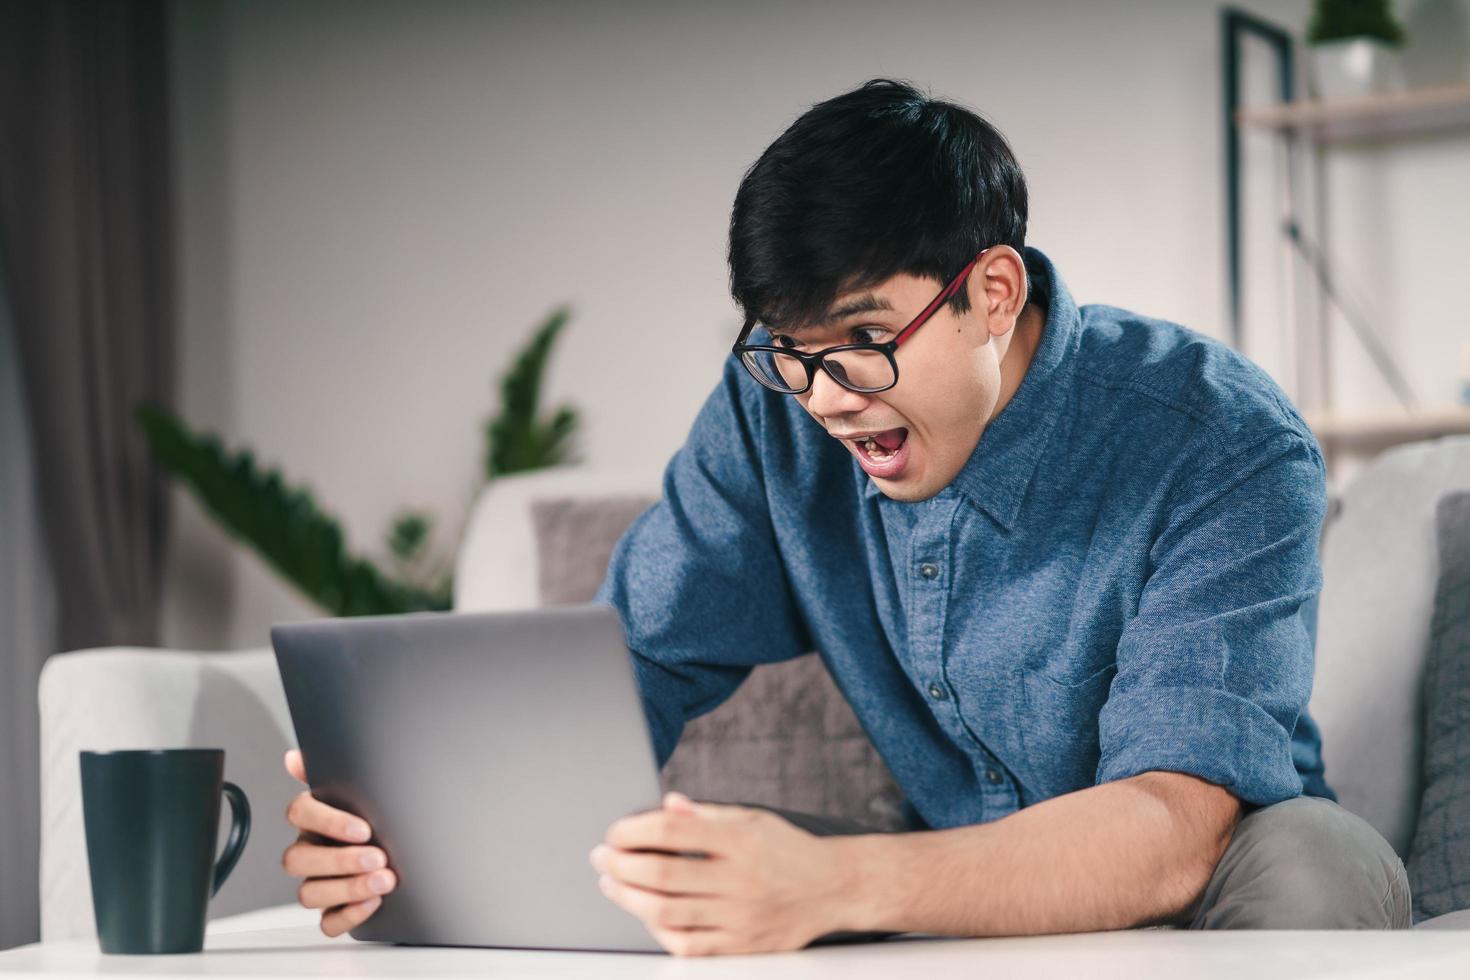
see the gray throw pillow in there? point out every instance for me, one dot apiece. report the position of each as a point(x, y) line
point(1439, 858)
point(786, 738)
point(575, 537)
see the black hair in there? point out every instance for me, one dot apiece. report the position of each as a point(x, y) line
point(878, 181)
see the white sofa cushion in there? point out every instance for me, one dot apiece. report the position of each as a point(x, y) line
point(497, 565)
point(1379, 569)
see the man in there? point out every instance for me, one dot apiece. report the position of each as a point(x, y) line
point(1062, 562)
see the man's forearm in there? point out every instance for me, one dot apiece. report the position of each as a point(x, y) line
point(1123, 854)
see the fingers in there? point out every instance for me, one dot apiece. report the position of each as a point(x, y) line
point(663, 830)
point(326, 893)
point(695, 942)
point(307, 859)
point(667, 873)
point(662, 911)
point(677, 802)
point(339, 920)
point(347, 882)
point(308, 813)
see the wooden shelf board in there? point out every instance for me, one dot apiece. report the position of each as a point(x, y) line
point(1390, 426)
point(1422, 110)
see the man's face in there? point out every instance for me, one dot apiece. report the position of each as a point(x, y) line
point(914, 438)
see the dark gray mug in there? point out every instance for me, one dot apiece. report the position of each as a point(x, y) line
point(152, 819)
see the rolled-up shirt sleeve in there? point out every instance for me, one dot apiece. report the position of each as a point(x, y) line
point(1216, 667)
point(697, 579)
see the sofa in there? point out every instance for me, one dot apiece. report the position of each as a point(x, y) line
point(786, 738)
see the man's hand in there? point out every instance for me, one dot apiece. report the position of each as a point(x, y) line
point(763, 885)
point(347, 883)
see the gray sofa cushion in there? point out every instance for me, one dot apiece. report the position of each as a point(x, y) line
point(787, 737)
point(575, 537)
point(1439, 858)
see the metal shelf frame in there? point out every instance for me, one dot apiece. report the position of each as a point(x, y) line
point(1379, 116)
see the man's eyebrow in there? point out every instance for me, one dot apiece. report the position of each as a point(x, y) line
point(866, 303)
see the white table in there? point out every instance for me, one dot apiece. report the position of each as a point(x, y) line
point(283, 943)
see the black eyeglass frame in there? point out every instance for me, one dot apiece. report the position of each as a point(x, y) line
point(811, 361)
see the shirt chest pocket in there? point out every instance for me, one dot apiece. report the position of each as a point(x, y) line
point(1059, 731)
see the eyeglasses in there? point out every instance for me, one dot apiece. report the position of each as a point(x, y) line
point(865, 368)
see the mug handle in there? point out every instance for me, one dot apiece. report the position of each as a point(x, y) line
point(239, 833)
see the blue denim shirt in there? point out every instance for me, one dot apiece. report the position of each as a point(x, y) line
point(1122, 577)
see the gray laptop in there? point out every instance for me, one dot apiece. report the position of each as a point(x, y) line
point(489, 752)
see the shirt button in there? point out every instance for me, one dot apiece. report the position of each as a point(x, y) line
point(937, 692)
point(929, 570)
point(993, 777)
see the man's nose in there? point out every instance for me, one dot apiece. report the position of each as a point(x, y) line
point(828, 398)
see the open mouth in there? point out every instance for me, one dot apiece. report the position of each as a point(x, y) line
point(883, 454)
point(882, 447)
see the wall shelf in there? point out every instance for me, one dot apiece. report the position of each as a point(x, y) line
point(1442, 108)
point(1378, 430)
point(1305, 128)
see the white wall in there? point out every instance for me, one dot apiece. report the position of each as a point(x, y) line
point(379, 200)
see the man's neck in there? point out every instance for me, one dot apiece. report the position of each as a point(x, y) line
point(1025, 339)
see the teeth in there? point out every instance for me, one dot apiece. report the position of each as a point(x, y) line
point(876, 451)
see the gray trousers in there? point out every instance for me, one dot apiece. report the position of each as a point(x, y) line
point(1305, 863)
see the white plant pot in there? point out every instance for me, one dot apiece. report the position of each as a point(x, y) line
point(1354, 67)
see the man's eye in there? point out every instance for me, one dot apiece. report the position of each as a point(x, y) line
point(868, 335)
point(783, 341)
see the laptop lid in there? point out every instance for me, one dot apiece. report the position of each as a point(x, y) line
point(489, 752)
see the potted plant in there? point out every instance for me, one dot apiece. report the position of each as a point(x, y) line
point(1354, 48)
point(305, 543)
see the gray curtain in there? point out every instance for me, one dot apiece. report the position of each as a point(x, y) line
point(86, 262)
point(27, 635)
point(86, 245)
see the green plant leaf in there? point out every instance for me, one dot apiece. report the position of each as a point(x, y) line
point(281, 523)
point(517, 439)
point(408, 535)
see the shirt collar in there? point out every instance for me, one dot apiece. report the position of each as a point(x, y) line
point(1004, 461)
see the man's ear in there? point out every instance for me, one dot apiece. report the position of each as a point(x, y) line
point(997, 288)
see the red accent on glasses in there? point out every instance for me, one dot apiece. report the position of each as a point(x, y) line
point(944, 296)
